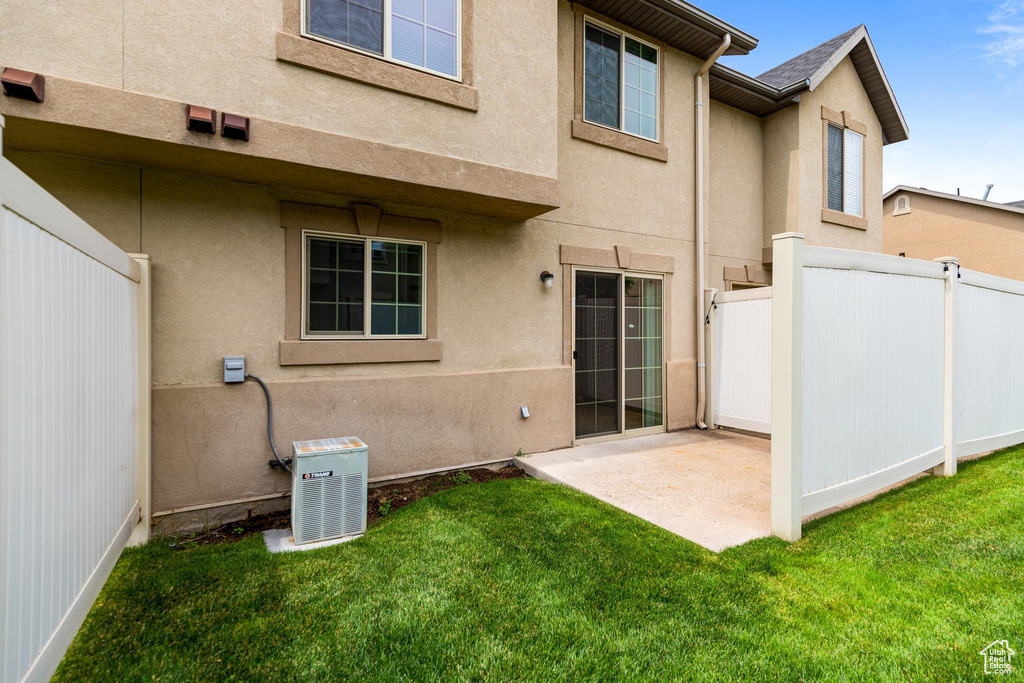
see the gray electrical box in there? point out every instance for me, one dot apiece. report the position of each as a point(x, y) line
point(328, 489)
point(234, 369)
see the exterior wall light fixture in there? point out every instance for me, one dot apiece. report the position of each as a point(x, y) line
point(548, 279)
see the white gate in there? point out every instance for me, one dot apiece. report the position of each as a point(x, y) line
point(74, 387)
point(739, 334)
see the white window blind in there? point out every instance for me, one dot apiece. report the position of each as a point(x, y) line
point(853, 173)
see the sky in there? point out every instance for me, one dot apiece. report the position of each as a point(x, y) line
point(956, 68)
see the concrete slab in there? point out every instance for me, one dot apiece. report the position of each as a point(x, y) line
point(282, 541)
point(711, 487)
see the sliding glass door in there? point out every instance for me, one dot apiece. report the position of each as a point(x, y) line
point(617, 353)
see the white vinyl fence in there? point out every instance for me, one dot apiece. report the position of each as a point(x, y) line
point(73, 340)
point(877, 368)
point(872, 373)
point(739, 347)
point(989, 390)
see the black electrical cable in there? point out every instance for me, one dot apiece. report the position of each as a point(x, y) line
point(270, 424)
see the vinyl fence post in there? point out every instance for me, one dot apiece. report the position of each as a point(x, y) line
point(952, 288)
point(144, 307)
point(709, 357)
point(787, 384)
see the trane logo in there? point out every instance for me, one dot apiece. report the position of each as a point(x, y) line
point(318, 475)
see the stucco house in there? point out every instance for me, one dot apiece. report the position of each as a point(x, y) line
point(984, 235)
point(413, 221)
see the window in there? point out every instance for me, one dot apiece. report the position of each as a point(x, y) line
point(620, 88)
point(845, 174)
point(343, 274)
point(419, 33)
point(902, 205)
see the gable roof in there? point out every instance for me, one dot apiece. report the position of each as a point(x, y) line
point(1014, 207)
point(781, 86)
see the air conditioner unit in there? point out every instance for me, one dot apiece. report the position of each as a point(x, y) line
point(328, 489)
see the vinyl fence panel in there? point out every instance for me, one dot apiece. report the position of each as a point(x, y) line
point(872, 381)
point(742, 360)
point(990, 363)
point(69, 421)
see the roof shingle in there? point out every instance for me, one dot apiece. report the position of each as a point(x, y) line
point(805, 65)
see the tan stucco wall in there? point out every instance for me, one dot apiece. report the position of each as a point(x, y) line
point(217, 249)
point(781, 174)
point(794, 165)
point(735, 188)
point(984, 239)
point(225, 59)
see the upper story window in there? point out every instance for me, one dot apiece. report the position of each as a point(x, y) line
point(845, 174)
point(363, 287)
point(620, 88)
point(424, 34)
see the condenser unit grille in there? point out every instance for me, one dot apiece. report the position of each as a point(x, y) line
point(331, 507)
point(354, 518)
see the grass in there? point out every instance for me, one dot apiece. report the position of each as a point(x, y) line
point(521, 580)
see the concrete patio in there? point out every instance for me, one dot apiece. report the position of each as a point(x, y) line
point(711, 487)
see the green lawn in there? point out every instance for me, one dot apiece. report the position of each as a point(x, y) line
point(521, 579)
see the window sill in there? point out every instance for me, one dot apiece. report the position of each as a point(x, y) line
point(844, 219)
point(338, 61)
point(581, 130)
point(330, 352)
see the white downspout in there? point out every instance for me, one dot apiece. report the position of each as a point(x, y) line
point(698, 126)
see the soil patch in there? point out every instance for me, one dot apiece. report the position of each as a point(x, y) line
point(380, 502)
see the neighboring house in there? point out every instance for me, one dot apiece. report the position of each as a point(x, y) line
point(983, 235)
point(371, 225)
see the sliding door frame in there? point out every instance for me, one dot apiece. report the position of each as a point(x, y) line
point(623, 433)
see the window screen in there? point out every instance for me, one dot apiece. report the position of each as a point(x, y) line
point(601, 84)
point(835, 168)
point(359, 23)
point(641, 89)
point(397, 288)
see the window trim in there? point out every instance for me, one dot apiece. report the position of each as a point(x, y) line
point(386, 56)
point(367, 240)
point(843, 121)
point(622, 80)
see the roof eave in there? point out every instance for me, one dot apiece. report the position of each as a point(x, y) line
point(953, 197)
point(742, 42)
